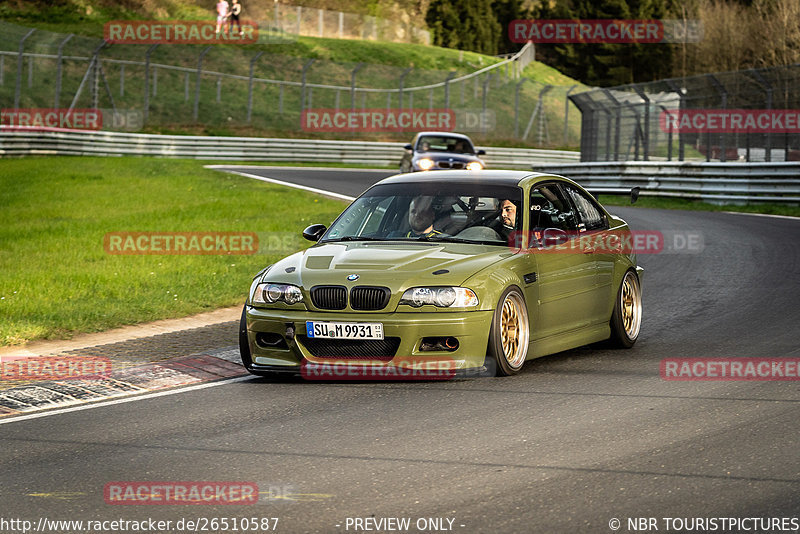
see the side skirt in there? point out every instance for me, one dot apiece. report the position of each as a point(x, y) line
point(568, 340)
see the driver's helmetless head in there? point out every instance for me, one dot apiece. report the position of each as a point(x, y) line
point(421, 215)
point(508, 213)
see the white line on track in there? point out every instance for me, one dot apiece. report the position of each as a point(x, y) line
point(287, 184)
point(296, 168)
point(762, 215)
point(99, 404)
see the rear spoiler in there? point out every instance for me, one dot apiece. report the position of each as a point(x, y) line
point(633, 192)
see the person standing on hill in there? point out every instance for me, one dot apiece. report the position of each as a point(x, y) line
point(236, 9)
point(222, 14)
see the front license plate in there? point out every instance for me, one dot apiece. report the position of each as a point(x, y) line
point(328, 330)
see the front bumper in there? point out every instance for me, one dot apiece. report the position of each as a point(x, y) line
point(471, 329)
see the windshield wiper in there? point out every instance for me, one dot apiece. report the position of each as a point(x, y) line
point(354, 238)
point(445, 239)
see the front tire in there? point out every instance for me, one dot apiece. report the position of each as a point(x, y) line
point(626, 319)
point(510, 333)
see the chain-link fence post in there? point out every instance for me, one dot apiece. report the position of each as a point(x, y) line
point(147, 55)
point(20, 59)
point(59, 70)
point(566, 112)
point(30, 71)
point(646, 131)
point(196, 110)
point(250, 86)
point(353, 85)
point(402, 85)
point(486, 80)
point(516, 106)
point(303, 84)
point(724, 101)
point(450, 76)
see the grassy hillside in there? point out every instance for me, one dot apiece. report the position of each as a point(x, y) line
point(275, 109)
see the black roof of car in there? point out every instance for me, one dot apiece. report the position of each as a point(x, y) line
point(507, 178)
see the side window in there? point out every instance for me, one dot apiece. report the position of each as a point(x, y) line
point(589, 214)
point(550, 209)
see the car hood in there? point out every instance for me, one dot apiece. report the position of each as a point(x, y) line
point(395, 265)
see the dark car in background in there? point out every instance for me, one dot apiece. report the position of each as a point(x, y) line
point(430, 151)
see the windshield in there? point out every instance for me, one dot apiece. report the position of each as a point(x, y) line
point(441, 143)
point(431, 211)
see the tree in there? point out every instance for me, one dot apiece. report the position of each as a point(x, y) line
point(467, 25)
point(608, 64)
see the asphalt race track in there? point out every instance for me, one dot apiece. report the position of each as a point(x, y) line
point(575, 441)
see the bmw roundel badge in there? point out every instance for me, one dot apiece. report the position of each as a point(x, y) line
point(352, 277)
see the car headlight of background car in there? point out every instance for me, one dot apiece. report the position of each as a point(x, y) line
point(441, 297)
point(270, 293)
point(425, 164)
point(474, 166)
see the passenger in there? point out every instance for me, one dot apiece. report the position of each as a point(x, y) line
point(506, 222)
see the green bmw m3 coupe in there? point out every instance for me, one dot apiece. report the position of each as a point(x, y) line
point(470, 272)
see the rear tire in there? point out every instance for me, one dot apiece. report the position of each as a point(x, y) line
point(626, 319)
point(510, 333)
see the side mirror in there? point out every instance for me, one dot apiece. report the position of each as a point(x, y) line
point(481, 152)
point(552, 237)
point(314, 232)
point(409, 147)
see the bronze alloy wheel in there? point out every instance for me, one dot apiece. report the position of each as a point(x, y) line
point(514, 330)
point(630, 302)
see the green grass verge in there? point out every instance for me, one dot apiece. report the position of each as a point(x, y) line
point(695, 205)
point(56, 279)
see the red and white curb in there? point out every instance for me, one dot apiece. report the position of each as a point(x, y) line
point(167, 374)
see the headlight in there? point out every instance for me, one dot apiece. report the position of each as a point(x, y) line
point(441, 297)
point(271, 293)
point(425, 164)
point(474, 166)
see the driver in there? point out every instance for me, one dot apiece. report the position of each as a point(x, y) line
point(420, 217)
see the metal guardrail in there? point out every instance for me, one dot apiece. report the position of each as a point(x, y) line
point(716, 183)
point(97, 143)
